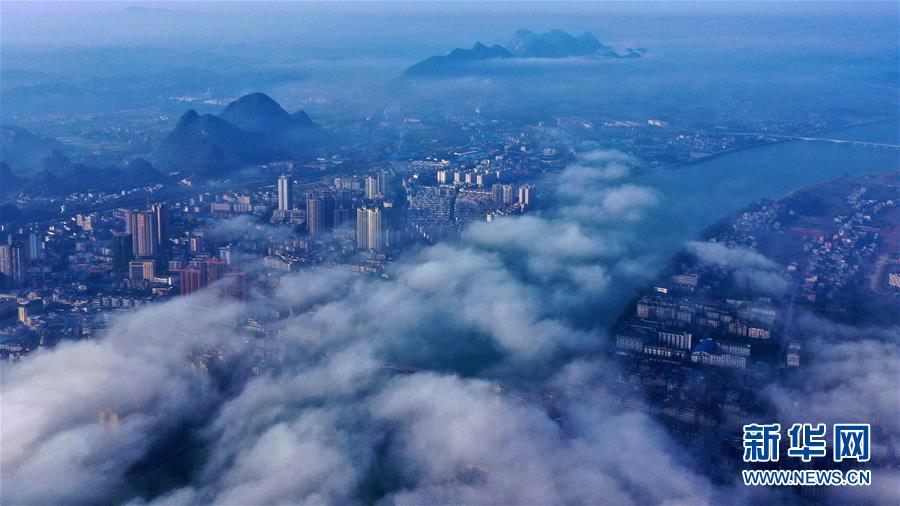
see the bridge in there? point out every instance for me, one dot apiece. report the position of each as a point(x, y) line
point(818, 139)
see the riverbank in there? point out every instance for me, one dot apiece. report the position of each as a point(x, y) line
point(718, 154)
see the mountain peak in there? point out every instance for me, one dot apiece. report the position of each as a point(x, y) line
point(454, 60)
point(255, 112)
point(188, 117)
point(587, 37)
point(256, 99)
point(555, 44)
point(251, 129)
point(301, 118)
point(258, 112)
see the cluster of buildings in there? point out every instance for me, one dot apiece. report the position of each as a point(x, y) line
point(678, 324)
point(836, 260)
point(837, 255)
point(330, 211)
point(63, 280)
point(695, 358)
point(91, 256)
point(699, 346)
point(441, 201)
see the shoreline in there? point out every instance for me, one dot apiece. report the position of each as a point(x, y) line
point(640, 171)
point(709, 232)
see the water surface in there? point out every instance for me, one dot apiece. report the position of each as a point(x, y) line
point(695, 196)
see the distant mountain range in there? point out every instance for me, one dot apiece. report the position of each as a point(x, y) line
point(23, 149)
point(449, 62)
point(9, 182)
point(36, 165)
point(61, 177)
point(524, 44)
point(556, 44)
point(257, 112)
point(252, 129)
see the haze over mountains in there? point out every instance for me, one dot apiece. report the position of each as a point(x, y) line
point(257, 112)
point(450, 62)
point(554, 44)
point(525, 44)
point(64, 177)
point(23, 149)
point(252, 129)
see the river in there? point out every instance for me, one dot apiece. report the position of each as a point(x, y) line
point(693, 197)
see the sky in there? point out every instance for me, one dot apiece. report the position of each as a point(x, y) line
point(369, 28)
point(348, 55)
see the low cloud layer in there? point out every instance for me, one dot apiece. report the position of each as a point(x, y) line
point(468, 374)
point(245, 227)
point(749, 269)
point(76, 416)
point(849, 375)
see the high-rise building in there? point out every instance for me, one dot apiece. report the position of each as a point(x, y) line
point(142, 269)
point(497, 193)
point(525, 195)
point(371, 188)
point(196, 244)
point(319, 213)
point(381, 180)
point(226, 253)
point(362, 228)
point(443, 176)
point(35, 247)
point(12, 264)
point(215, 270)
point(191, 280)
point(30, 309)
point(509, 193)
point(285, 202)
point(143, 229)
point(347, 183)
point(201, 273)
point(200, 265)
point(314, 214)
point(161, 214)
point(122, 251)
point(370, 232)
point(375, 222)
point(236, 285)
point(343, 208)
point(129, 221)
point(503, 193)
point(341, 216)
